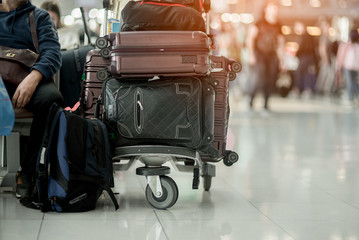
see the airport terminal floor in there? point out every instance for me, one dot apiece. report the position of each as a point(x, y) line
point(297, 179)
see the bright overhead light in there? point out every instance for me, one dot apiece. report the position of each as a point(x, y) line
point(287, 3)
point(76, 13)
point(314, 31)
point(315, 3)
point(69, 20)
point(226, 17)
point(246, 18)
point(93, 13)
point(236, 18)
point(286, 30)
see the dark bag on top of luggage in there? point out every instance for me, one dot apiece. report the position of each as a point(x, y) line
point(74, 165)
point(160, 15)
point(199, 5)
point(176, 111)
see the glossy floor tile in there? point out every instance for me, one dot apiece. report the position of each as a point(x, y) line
point(297, 179)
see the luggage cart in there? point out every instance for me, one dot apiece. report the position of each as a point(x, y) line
point(161, 190)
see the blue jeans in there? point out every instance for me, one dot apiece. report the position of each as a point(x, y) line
point(352, 78)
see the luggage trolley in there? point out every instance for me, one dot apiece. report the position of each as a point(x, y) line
point(161, 190)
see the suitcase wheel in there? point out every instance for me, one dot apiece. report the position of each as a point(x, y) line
point(232, 76)
point(236, 67)
point(101, 42)
point(230, 158)
point(105, 53)
point(102, 75)
point(169, 194)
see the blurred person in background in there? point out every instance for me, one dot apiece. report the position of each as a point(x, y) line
point(348, 62)
point(228, 44)
point(69, 37)
point(265, 45)
point(305, 76)
point(326, 68)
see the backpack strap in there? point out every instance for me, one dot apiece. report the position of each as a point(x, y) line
point(100, 182)
point(42, 165)
point(111, 194)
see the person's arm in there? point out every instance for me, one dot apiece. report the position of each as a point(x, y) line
point(251, 36)
point(50, 55)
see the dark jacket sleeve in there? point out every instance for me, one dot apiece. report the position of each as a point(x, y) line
point(50, 55)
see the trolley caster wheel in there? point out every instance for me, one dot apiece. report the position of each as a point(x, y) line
point(230, 158)
point(169, 194)
point(207, 182)
point(236, 67)
point(101, 43)
point(102, 75)
point(105, 53)
point(232, 76)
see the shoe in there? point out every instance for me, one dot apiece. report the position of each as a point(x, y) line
point(24, 185)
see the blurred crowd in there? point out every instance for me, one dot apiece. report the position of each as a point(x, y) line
point(303, 64)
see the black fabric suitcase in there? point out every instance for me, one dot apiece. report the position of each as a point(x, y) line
point(157, 53)
point(176, 112)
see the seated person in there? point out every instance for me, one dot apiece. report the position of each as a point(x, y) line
point(37, 91)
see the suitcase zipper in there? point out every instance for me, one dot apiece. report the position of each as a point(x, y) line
point(138, 111)
point(161, 50)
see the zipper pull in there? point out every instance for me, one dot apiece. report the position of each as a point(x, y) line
point(140, 105)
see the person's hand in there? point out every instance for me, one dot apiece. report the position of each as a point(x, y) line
point(26, 89)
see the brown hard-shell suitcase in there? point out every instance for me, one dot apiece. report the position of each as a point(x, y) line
point(156, 53)
point(223, 71)
point(92, 86)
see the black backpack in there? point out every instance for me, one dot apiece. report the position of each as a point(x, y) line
point(74, 165)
